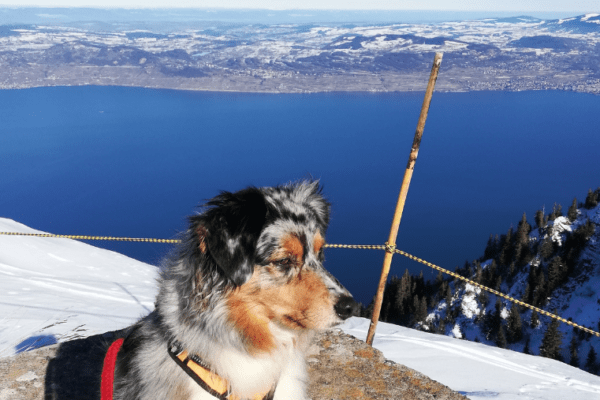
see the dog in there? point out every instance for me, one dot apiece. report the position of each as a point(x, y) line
point(239, 300)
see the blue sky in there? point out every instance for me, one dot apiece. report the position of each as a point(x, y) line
point(465, 5)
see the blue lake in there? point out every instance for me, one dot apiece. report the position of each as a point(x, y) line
point(135, 162)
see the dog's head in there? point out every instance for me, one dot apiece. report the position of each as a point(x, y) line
point(268, 243)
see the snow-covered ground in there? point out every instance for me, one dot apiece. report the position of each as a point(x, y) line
point(53, 290)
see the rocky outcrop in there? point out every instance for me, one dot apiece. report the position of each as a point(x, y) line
point(341, 367)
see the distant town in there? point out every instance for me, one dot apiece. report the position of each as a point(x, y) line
point(512, 54)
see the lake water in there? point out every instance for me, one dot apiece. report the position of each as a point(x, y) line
point(135, 162)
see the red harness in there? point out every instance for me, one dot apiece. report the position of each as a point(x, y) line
point(209, 381)
point(108, 370)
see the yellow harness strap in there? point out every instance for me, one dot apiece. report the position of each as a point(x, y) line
point(210, 381)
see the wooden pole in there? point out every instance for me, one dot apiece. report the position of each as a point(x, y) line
point(391, 243)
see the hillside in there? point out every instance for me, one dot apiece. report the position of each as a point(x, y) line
point(554, 265)
point(102, 47)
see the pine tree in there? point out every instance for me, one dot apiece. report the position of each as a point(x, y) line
point(423, 309)
point(417, 317)
point(526, 295)
point(490, 249)
point(439, 278)
point(572, 212)
point(501, 338)
point(591, 199)
point(535, 319)
point(515, 326)
point(441, 328)
point(547, 248)
point(573, 351)
point(522, 251)
point(556, 212)
point(448, 298)
point(526, 350)
point(590, 362)
point(552, 341)
point(539, 219)
point(556, 273)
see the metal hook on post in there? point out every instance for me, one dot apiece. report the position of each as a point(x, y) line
point(391, 243)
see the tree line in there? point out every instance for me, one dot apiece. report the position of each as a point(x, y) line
point(547, 263)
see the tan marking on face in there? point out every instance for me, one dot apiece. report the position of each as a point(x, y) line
point(318, 242)
point(302, 303)
point(250, 316)
point(293, 246)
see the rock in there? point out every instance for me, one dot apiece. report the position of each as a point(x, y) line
point(341, 367)
point(346, 368)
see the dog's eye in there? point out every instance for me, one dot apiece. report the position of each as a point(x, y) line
point(286, 262)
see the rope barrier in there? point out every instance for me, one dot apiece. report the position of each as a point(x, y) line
point(385, 247)
point(83, 237)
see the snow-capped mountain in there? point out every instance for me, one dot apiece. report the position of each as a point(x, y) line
point(516, 53)
point(583, 24)
point(558, 270)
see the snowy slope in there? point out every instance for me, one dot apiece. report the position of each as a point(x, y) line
point(53, 290)
point(577, 299)
point(476, 370)
point(58, 289)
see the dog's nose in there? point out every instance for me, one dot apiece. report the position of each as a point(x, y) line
point(346, 307)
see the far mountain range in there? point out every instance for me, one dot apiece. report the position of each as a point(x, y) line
point(513, 54)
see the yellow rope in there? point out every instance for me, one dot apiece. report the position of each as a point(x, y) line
point(462, 278)
point(82, 237)
point(385, 247)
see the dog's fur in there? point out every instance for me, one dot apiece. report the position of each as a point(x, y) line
point(244, 291)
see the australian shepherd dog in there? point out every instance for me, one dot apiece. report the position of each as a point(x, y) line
point(238, 301)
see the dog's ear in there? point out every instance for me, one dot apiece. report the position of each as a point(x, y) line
point(229, 230)
point(317, 202)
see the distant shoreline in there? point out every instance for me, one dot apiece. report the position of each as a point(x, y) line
point(438, 89)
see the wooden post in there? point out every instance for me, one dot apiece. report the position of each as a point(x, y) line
point(391, 243)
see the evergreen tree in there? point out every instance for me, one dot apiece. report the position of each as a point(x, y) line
point(512, 270)
point(526, 295)
point(493, 322)
point(439, 278)
point(556, 212)
point(591, 199)
point(547, 248)
point(539, 219)
point(590, 362)
point(552, 341)
point(515, 326)
point(572, 212)
point(423, 309)
point(501, 338)
point(557, 271)
point(490, 249)
point(539, 294)
point(526, 350)
point(448, 298)
point(573, 351)
point(535, 319)
point(478, 273)
point(522, 251)
point(441, 328)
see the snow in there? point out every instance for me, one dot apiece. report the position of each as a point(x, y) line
point(59, 289)
point(476, 370)
point(588, 16)
point(469, 306)
point(53, 290)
